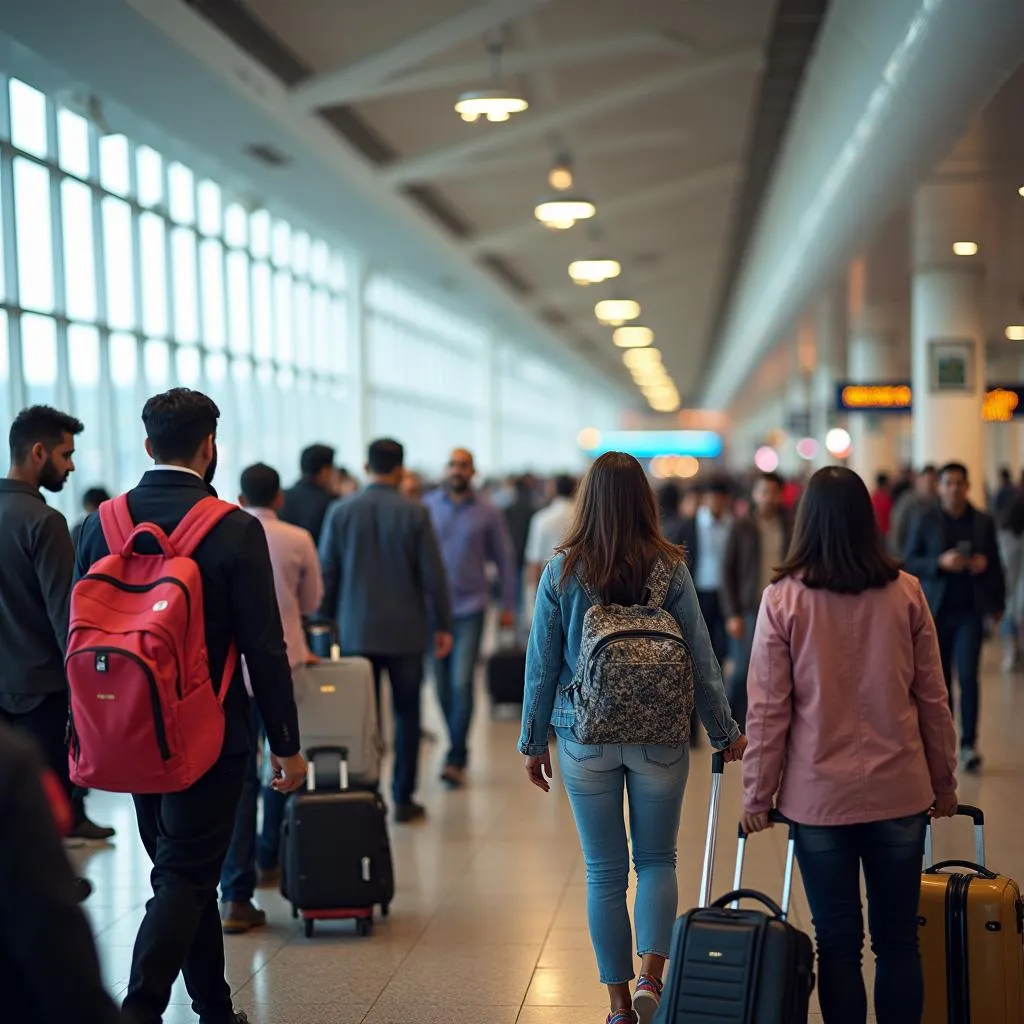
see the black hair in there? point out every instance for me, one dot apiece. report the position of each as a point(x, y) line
point(40, 424)
point(719, 486)
point(836, 543)
point(954, 467)
point(315, 459)
point(261, 484)
point(669, 497)
point(177, 422)
point(928, 467)
point(385, 456)
point(772, 478)
point(881, 479)
point(565, 485)
point(94, 497)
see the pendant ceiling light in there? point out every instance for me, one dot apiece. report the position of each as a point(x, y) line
point(638, 358)
point(561, 212)
point(632, 336)
point(594, 271)
point(496, 103)
point(560, 176)
point(616, 312)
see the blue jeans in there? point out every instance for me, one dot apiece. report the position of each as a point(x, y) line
point(961, 635)
point(830, 862)
point(736, 687)
point(655, 778)
point(455, 677)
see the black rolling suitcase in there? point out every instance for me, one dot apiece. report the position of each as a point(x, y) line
point(733, 966)
point(335, 852)
point(506, 675)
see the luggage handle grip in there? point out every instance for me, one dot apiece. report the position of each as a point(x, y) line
point(774, 816)
point(982, 871)
point(313, 752)
point(340, 752)
point(977, 815)
point(718, 762)
point(750, 894)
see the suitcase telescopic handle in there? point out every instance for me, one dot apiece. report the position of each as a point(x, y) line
point(977, 815)
point(341, 753)
point(717, 770)
point(776, 818)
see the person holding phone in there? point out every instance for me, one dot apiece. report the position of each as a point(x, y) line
point(954, 551)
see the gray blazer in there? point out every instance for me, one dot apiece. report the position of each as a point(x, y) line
point(383, 574)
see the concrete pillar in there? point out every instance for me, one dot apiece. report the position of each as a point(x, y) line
point(830, 329)
point(871, 360)
point(361, 397)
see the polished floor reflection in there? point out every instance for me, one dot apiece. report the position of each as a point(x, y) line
point(488, 924)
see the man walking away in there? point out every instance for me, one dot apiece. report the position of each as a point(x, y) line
point(35, 586)
point(953, 551)
point(91, 501)
point(186, 834)
point(382, 573)
point(518, 517)
point(756, 545)
point(473, 535)
point(910, 506)
point(299, 590)
point(704, 538)
point(306, 503)
point(549, 527)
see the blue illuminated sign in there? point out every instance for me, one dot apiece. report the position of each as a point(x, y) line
point(648, 444)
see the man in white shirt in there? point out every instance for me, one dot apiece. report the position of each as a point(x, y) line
point(549, 527)
point(299, 588)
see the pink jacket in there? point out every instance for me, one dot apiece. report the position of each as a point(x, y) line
point(848, 717)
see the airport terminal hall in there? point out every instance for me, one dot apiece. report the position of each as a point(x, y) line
point(513, 511)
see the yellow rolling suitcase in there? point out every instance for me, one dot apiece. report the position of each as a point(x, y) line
point(972, 938)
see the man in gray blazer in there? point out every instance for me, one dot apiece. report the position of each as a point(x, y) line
point(384, 584)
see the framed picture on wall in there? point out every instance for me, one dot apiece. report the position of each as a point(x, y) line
point(951, 364)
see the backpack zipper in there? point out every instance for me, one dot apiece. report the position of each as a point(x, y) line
point(154, 692)
point(141, 588)
point(626, 634)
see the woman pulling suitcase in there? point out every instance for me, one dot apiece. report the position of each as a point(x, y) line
point(618, 655)
point(851, 737)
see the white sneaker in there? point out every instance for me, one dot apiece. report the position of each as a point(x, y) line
point(647, 998)
point(970, 760)
point(1011, 658)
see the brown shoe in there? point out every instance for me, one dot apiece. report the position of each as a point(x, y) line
point(268, 878)
point(453, 776)
point(238, 918)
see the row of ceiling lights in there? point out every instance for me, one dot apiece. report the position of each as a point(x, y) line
point(1014, 332)
point(563, 210)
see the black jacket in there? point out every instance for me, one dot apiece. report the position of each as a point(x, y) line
point(928, 542)
point(36, 562)
point(239, 603)
point(741, 592)
point(383, 574)
point(306, 505)
point(49, 971)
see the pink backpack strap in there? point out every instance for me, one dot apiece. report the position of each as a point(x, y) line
point(200, 519)
point(193, 529)
point(117, 523)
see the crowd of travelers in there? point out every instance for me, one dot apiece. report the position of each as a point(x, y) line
point(824, 628)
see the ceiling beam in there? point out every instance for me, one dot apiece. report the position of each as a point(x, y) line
point(514, 63)
point(429, 165)
point(629, 204)
point(331, 88)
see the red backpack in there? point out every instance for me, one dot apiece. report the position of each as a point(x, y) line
point(145, 717)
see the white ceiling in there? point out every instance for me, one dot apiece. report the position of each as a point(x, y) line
point(652, 99)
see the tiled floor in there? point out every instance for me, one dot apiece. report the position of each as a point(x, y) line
point(488, 925)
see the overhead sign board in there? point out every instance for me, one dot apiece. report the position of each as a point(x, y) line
point(1003, 402)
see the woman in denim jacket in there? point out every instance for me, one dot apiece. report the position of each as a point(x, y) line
point(614, 544)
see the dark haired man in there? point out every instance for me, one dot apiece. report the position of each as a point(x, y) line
point(91, 501)
point(306, 503)
point(38, 561)
point(954, 552)
point(382, 572)
point(549, 526)
point(756, 544)
point(186, 834)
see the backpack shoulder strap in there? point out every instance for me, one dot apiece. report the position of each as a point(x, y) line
point(200, 519)
point(658, 583)
point(116, 522)
point(588, 588)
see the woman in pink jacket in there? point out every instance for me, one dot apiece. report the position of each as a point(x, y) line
point(851, 737)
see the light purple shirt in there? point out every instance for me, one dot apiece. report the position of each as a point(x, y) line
point(297, 579)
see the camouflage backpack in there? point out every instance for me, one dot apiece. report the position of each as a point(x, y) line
point(634, 678)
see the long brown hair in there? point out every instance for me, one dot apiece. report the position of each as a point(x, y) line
point(836, 543)
point(616, 538)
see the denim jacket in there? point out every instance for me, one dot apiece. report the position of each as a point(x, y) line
point(554, 649)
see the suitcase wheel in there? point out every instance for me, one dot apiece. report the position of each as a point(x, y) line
point(364, 927)
point(308, 927)
point(385, 909)
point(295, 911)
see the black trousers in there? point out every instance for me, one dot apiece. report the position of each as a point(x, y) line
point(186, 836)
point(47, 724)
point(405, 674)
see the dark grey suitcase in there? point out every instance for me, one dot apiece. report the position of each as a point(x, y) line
point(335, 852)
point(506, 675)
point(733, 966)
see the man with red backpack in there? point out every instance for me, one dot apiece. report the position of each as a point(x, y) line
point(158, 705)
